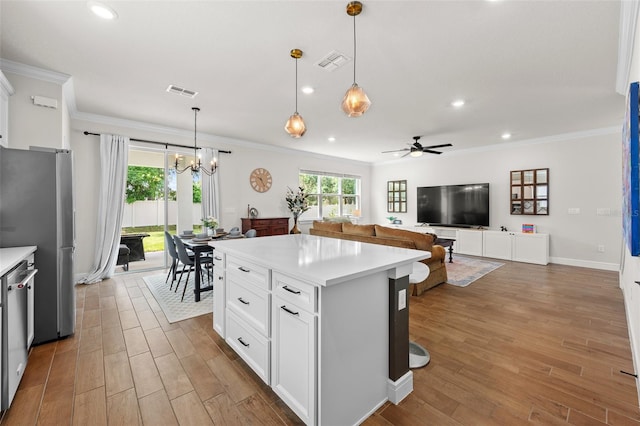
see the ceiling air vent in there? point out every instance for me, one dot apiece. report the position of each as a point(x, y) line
point(333, 60)
point(182, 92)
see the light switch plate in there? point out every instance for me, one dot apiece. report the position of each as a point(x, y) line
point(402, 299)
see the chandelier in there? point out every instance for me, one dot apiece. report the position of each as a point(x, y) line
point(196, 165)
point(355, 102)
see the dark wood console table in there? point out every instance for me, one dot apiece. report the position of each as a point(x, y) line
point(266, 226)
point(136, 248)
point(446, 242)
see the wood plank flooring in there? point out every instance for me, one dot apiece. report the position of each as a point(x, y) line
point(524, 344)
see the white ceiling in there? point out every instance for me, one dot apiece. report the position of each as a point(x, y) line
point(533, 68)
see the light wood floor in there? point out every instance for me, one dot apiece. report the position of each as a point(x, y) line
point(524, 344)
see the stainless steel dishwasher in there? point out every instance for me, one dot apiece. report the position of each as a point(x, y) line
point(14, 328)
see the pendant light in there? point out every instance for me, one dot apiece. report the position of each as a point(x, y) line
point(295, 124)
point(355, 102)
point(196, 165)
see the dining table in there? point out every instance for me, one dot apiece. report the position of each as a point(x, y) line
point(199, 247)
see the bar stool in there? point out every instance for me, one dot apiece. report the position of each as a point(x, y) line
point(418, 356)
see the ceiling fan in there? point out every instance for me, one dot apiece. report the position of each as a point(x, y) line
point(416, 149)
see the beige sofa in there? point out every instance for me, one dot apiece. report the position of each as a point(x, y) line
point(377, 234)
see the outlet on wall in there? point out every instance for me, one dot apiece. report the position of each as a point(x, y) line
point(600, 248)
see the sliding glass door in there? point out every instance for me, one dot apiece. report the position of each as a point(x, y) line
point(157, 200)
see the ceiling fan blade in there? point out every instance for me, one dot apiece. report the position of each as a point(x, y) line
point(396, 150)
point(406, 154)
point(430, 151)
point(437, 146)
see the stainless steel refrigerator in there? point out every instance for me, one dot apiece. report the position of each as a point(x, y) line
point(37, 209)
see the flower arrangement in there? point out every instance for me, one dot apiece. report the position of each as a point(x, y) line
point(210, 222)
point(297, 202)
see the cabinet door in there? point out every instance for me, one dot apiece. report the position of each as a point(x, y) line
point(219, 302)
point(531, 248)
point(468, 242)
point(293, 368)
point(497, 245)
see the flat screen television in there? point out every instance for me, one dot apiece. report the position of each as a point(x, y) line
point(454, 205)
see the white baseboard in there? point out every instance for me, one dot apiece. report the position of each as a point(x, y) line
point(401, 388)
point(585, 263)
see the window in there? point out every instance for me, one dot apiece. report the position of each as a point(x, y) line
point(330, 194)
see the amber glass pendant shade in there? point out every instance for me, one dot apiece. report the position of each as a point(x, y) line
point(295, 126)
point(355, 102)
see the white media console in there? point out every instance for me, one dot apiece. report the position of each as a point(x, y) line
point(516, 246)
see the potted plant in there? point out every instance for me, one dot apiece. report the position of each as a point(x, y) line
point(298, 203)
point(209, 225)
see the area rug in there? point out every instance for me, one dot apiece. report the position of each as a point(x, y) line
point(465, 270)
point(170, 303)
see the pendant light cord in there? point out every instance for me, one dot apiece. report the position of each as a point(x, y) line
point(195, 133)
point(354, 49)
point(296, 85)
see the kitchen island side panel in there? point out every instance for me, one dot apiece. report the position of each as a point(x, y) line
point(354, 349)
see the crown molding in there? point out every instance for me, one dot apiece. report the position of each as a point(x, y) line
point(563, 137)
point(6, 85)
point(33, 72)
point(202, 137)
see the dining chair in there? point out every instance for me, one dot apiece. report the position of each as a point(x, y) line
point(171, 248)
point(251, 233)
point(189, 264)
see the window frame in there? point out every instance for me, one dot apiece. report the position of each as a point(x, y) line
point(340, 196)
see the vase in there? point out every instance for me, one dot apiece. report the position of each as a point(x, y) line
point(211, 232)
point(295, 229)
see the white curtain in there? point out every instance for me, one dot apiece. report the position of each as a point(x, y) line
point(114, 152)
point(210, 185)
point(626, 37)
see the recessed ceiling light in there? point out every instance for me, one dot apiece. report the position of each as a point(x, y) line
point(331, 139)
point(307, 90)
point(458, 103)
point(506, 135)
point(102, 10)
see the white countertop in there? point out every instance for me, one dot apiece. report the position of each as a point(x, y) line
point(319, 260)
point(11, 256)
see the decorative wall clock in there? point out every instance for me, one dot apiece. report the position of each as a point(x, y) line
point(260, 180)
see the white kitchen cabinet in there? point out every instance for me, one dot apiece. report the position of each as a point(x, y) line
point(324, 343)
point(468, 241)
point(294, 357)
point(519, 247)
point(219, 297)
point(247, 312)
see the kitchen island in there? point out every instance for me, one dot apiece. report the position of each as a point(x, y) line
point(323, 321)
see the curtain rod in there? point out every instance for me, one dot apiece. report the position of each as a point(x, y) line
point(166, 144)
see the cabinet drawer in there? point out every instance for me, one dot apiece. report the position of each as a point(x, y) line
point(301, 294)
point(218, 259)
point(253, 348)
point(250, 303)
point(248, 272)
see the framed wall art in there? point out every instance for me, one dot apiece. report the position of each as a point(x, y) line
point(631, 173)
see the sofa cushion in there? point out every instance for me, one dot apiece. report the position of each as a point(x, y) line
point(422, 241)
point(327, 226)
point(364, 230)
point(337, 219)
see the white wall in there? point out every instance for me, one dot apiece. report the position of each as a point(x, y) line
point(32, 125)
point(584, 172)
